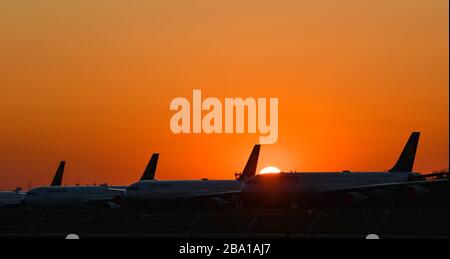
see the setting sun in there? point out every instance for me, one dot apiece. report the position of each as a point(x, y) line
point(270, 170)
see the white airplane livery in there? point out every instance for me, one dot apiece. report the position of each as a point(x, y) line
point(72, 197)
point(14, 198)
point(155, 191)
point(351, 186)
point(316, 187)
point(59, 197)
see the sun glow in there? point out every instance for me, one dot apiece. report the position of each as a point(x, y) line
point(270, 170)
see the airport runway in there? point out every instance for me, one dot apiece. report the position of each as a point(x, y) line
point(294, 223)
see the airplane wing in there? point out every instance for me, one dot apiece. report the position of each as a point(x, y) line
point(441, 175)
point(378, 194)
point(118, 189)
point(214, 194)
point(108, 203)
point(389, 186)
point(113, 201)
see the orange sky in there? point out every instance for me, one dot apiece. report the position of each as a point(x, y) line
point(91, 82)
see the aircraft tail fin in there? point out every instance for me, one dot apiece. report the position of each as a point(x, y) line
point(57, 179)
point(150, 170)
point(252, 163)
point(405, 162)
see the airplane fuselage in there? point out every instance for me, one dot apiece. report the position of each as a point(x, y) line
point(313, 189)
point(318, 182)
point(172, 189)
point(69, 197)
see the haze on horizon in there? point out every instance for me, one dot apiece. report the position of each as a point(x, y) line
point(90, 82)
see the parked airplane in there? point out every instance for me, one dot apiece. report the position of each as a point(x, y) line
point(170, 192)
point(11, 199)
point(331, 188)
point(14, 198)
point(83, 196)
